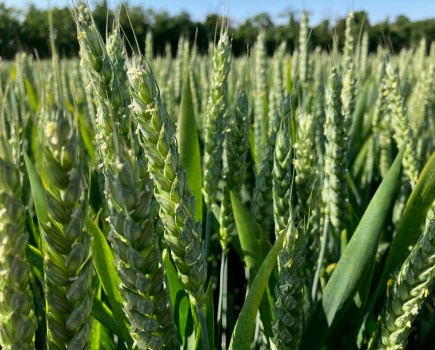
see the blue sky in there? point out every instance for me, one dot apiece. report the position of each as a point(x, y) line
point(242, 9)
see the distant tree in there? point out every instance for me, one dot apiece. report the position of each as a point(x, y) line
point(292, 30)
point(400, 32)
point(28, 30)
point(263, 21)
point(321, 35)
point(35, 32)
point(425, 28)
point(378, 35)
point(103, 16)
point(65, 32)
point(9, 32)
point(244, 37)
point(164, 32)
point(211, 25)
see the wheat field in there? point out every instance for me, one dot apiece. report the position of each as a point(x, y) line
point(218, 202)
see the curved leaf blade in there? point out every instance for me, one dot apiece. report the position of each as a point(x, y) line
point(34, 257)
point(253, 253)
point(247, 235)
point(103, 263)
point(361, 249)
point(95, 334)
point(188, 146)
point(104, 316)
point(357, 258)
point(38, 192)
point(413, 218)
point(208, 309)
point(180, 301)
point(245, 325)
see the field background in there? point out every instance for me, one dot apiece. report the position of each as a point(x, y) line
point(168, 183)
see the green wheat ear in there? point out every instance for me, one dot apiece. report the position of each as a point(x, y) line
point(277, 89)
point(282, 169)
point(177, 205)
point(215, 119)
point(349, 76)
point(66, 245)
point(381, 123)
point(149, 50)
point(334, 193)
point(261, 99)
point(262, 208)
point(236, 149)
point(319, 112)
point(17, 317)
point(304, 165)
point(409, 291)
point(289, 292)
point(129, 195)
point(303, 50)
point(403, 134)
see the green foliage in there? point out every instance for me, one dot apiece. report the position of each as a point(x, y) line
point(188, 146)
point(110, 281)
point(419, 205)
point(107, 166)
point(244, 329)
point(355, 262)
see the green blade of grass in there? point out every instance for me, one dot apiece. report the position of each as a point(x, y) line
point(31, 94)
point(36, 287)
point(95, 334)
point(188, 146)
point(88, 137)
point(245, 325)
point(34, 257)
point(38, 192)
point(253, 254)
point(103, 315)
point(358, 134)
point(104, 265)
point(209, 314)
point(247, 235)
point(180, 301)
point(209, 317)
point(251, 141)
point(356, 259)
point(413, 218)
point(33, 230)
point(106, 340)
point(361, 250)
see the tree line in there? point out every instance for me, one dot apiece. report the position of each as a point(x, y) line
point(28, 30)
